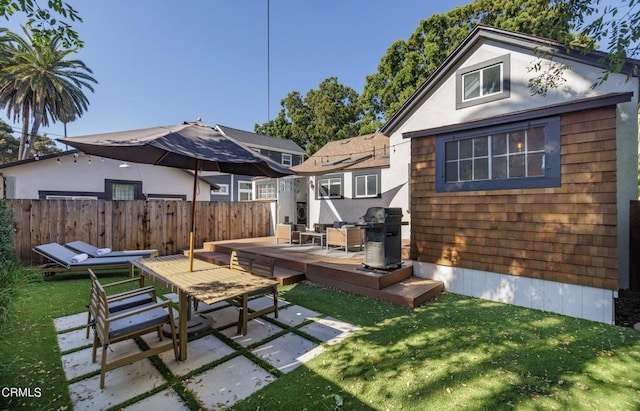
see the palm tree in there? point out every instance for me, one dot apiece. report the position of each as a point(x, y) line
point(40, 82)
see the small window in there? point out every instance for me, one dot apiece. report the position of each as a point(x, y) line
point(245, 191)
point(266, 191)
point(330, 187)
point(482, 83)
point(521, 155)
point(123, 190)
point(287, 159)
point(223, 189)
point(366, 185)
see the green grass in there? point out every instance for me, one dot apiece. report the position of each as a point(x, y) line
point(455, 352)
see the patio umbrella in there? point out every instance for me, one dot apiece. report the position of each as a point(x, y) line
point(190, 145)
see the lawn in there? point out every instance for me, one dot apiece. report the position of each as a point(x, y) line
point(454, 352)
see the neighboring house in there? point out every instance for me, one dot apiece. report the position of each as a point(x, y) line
point(521, 198)
point(348, 176)
point(73, 175)
point(291, 202)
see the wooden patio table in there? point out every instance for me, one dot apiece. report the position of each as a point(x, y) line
point(207, 282)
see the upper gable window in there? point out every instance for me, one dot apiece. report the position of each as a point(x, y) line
point(287, 160)
point(484, 82)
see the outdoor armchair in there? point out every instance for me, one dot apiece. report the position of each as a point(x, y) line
point(124, 300)
point(288, 233)
point(95, 252)
point(345, 237)
point(61, 259)
point(253, 264)
point(111, 328)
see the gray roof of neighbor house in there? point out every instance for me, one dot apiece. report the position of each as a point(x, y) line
point(261, 140)
point(482, 33)
point(367, 151)
point(37, 158)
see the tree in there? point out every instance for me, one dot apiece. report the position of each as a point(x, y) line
point(407, 64)
point(8, 143)
point(38, 81)
point(46, 23)
point(619, 26)
point(329, 113)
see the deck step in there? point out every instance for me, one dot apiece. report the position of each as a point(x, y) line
point(359, 275)
point(412, 292)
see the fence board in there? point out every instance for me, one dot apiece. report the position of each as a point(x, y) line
point(159, 224)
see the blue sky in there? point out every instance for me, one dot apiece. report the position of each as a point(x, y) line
point(161, 62)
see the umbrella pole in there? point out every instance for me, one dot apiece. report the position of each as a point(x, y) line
point(192, 234)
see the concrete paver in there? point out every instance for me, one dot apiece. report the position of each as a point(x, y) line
point(217, 387)
point(228, 383)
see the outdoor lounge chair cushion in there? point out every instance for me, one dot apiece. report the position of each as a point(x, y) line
point(64, 256)
point(127, 303)
point(138, 322)
point(93, 251)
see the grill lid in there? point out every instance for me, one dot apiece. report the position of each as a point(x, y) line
point(378, 215)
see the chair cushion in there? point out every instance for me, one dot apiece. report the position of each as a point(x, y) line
point(138, 322)
point(130, 302)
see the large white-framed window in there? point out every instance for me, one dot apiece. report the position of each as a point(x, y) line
point(484, 82)
point(245, 191)
point(519, 155)
point(366, 185)
point(330, 187)
point(287, 159)
point(266, 191)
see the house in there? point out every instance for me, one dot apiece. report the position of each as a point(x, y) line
point(348, 176)
point(74, 175)
point(521, 198)
point(287, 201)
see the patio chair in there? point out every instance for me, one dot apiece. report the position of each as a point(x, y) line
point(122, 301)
point(288, 233)
point(345, 237)
point(129, 324)
point(95, 252)
point(61, 259)
point(258, 265)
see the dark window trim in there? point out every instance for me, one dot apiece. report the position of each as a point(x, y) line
point(326, 177)
point(108, 188)
point(367, 173)
point(552, 162)
point(506, 82)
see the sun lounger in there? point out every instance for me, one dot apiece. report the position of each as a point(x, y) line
point(61, 259)
point(95, 252)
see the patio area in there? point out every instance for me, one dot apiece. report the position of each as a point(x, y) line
point(222, 367)
point(332, 267)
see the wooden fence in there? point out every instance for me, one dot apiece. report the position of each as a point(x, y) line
point(138, 224)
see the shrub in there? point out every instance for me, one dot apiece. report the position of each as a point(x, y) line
point(13, 276)
point(7, 254)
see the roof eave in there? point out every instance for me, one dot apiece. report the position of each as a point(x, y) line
point(481, 31)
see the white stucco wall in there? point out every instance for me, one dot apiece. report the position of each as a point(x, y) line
point(438, 108)
point(81, 176)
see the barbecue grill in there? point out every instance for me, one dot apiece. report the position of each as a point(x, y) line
point(382, 242)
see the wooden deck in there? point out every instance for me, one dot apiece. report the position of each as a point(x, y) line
point(333, 268)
